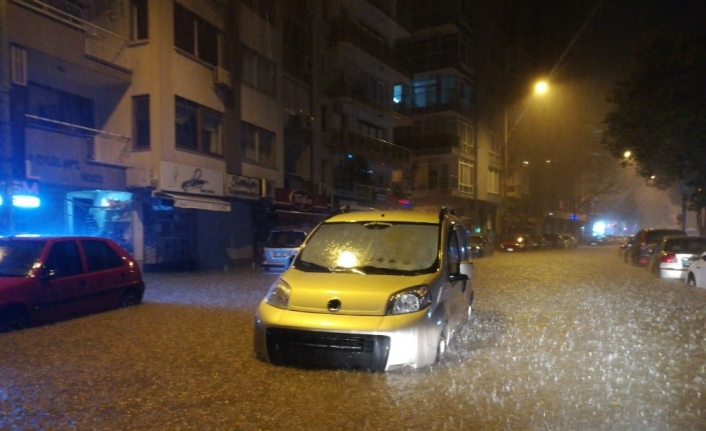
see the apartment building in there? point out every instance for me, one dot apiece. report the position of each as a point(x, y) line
point(446, 144)
point(116, 124)
point(186, 129)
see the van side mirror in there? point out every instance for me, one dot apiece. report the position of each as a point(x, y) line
point(464, 271)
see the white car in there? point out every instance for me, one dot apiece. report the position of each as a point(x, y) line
point(696, 274)
point(672, 256)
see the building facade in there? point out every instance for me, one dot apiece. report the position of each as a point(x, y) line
point(186, 129)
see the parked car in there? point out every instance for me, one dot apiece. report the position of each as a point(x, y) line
point(539, 242)
point(280, 247)
point(517, 242)
point(672, 257)
point(376, 290)
point(480, 246)
point(554, 240)
point(639, 253)
point(570, 241)
point(624, 248)
point(49, 279)
point(696, 273)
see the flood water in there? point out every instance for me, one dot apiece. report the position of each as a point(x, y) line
point(559, 340)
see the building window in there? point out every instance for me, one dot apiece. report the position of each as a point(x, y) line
point(372, 131)
point(465, 136)
point(494, 181)
point(62, 107)
point(195, 36)
point(258, 71)
point(465, 176)
point(197, 128)
point(258, 145)
point(141, 122)
point(138, 20)
point(372, 89)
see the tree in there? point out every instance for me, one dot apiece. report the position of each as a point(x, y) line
point(659, 114)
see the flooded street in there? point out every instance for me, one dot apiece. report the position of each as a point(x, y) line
point(559, 340)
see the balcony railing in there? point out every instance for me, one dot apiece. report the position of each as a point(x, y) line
point(372, 147)
point(344, 30)
point(99, 43)
point(102, 147)
point(400, 12)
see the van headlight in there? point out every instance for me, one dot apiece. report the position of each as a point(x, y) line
point(409, 300)
point(278, 295)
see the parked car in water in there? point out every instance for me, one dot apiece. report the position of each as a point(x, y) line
point(50, 279)
point(644, 239)
point(516, 242)
point(480, 246)
point(570, 241)
point(696, 273)
point(554, 240)
point(377, 290)
point(672, 257)
point(280, 248)
point(539, 242)
point(624, 247)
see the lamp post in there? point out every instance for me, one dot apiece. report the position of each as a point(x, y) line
point(540, 87)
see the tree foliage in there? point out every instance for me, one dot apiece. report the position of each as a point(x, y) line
point(659, 112)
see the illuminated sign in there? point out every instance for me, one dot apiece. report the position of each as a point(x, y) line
point(25, 193)
point(301, 200)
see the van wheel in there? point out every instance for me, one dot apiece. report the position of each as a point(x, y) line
point(690, 280)
point(13, 320)
point(130, 297)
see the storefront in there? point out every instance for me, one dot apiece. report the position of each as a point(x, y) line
point(188, 222)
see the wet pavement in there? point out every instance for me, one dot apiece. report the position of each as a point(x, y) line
point(559, 340)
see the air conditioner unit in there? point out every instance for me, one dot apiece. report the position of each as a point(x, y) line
point(221, 77)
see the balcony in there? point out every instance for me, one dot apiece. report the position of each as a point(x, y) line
point(101, 147)
point(343, 30)
point(345, 141)
point(98, 43)
point(449, 51)
point(437, 13)
point(399, 13)
point(428, 144)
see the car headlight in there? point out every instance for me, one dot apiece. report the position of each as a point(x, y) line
point(278, 295)
point(409, 300)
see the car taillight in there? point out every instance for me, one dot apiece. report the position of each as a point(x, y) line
point(669, 258)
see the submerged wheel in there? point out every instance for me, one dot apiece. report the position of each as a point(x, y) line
point(130, 297)
point(690, 280)
point(13, 320)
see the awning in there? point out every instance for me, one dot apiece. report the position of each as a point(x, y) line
point(196, 202)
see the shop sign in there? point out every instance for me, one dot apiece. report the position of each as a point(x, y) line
point(302, 200)
point(190, 179)
point(20, 187)
point(69, 166)
point(237, 185)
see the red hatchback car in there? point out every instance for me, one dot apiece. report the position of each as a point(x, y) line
point(517, 242)
point(49, 279)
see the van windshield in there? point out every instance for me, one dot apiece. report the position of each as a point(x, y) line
point(372, 247)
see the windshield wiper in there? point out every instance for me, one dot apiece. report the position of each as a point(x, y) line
point(311, 267)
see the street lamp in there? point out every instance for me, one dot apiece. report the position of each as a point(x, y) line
point(540, 87)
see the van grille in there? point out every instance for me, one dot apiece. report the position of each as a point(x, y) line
point(327, 349)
